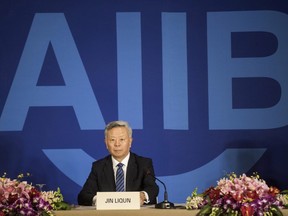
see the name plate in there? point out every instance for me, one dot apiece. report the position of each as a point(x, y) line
point(117, 200)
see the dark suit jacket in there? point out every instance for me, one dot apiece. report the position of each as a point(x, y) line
point(101, 178)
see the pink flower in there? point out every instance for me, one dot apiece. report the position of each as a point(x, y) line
point(243, 194)
point(19, 197)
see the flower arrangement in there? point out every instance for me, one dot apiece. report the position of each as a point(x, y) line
point(239, 195)
point(21, 198)
point(56, 200)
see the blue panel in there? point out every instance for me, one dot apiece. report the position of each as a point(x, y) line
point(74, 163)
point(129, 68)
point(50, 28)
point(175, 90)
point(222, 68)
point(185, 74)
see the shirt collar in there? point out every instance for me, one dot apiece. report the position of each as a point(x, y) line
point(124, 161)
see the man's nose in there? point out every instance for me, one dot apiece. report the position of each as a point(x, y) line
point(117, 142)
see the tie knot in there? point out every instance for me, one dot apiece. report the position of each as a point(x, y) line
point(120, 165)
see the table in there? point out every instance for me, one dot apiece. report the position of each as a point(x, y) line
point(141, 212)
point(145, 211)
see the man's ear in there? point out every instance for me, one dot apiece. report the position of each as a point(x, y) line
point(131, 139)
point(105, 141)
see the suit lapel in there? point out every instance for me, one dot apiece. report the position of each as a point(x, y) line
point(131, 172)
point(109, 175)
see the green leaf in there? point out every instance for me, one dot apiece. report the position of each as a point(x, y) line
point(276, 211)
point(45, 214)
point(62, 206)
point(205, 210)
point(284, 192)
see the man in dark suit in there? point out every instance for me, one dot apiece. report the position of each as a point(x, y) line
point(138, 171)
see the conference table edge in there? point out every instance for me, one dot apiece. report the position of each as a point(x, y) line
point(140, 212)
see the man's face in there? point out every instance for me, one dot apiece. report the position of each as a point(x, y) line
point(118, 142)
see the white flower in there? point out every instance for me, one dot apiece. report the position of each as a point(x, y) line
point(193, 202)
point(283, 198)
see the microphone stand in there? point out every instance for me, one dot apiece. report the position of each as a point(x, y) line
point(165, 204)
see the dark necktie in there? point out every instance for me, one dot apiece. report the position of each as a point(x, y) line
point(120, 178)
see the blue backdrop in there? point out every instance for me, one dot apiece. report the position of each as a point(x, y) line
point(204, 84)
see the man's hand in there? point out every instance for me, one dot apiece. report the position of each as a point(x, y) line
point(142, 198)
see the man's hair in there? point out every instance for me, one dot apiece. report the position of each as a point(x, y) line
point(114, 124)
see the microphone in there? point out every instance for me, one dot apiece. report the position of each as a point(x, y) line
point(165, 204)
